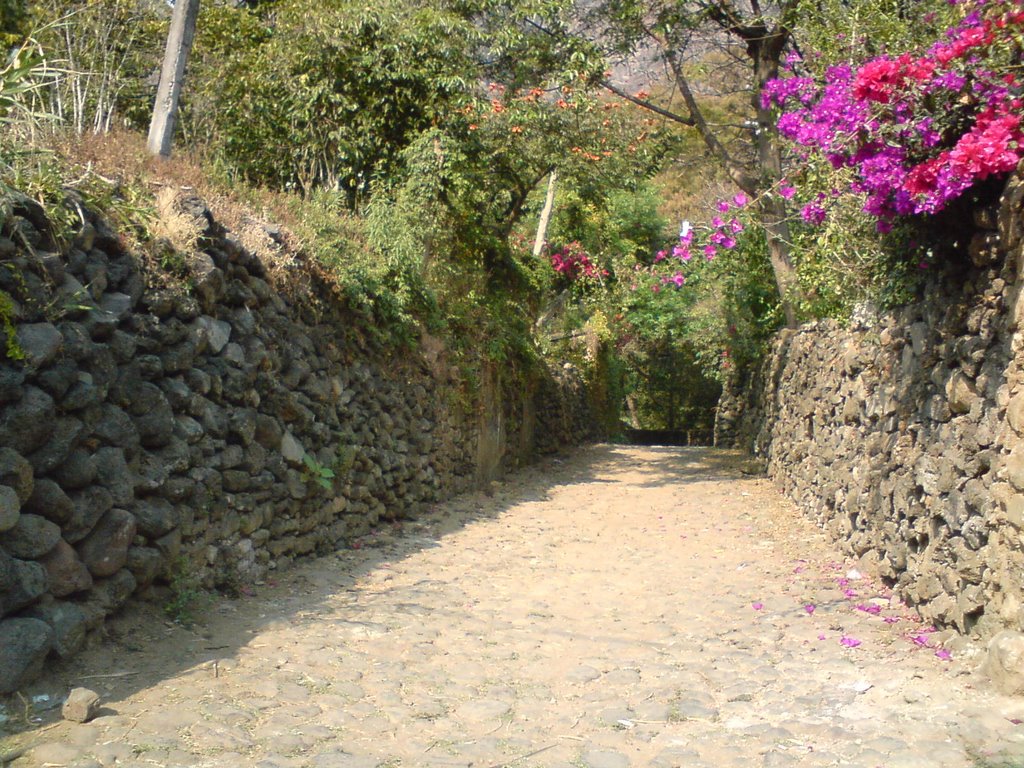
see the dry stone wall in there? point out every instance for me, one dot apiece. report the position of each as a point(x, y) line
point(150, 431)
point(902, 434)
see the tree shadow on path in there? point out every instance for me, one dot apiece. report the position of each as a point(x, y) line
point(140, 648)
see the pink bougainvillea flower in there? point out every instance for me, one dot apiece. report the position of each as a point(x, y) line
point(736, 226)
point(849, 642)
point(810, 608)
point(757, 606)
point(710, 252)
point(943, 654)
point(740, 200)
point(722, 206)
point(787, 191)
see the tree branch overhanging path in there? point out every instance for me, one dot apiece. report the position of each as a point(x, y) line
point(764, 34)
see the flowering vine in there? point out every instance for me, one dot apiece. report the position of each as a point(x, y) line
point(574, 263)
point(918, 129)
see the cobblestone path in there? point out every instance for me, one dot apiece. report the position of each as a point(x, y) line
point(620, 607)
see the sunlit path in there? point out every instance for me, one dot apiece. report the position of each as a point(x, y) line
point(621, 607)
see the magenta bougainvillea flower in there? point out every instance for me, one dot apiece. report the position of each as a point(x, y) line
point(921, 128)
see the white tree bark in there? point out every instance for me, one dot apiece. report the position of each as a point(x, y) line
point(179, 43)
point(545, 215)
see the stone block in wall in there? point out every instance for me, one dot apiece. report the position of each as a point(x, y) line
point(90, 505)
point(110, 594)
point(115, 428)
point(49, 500)
point(10, 508)
point(961, 393)
point(112, 473)
point(1013, 467)
point(11, 383)
point(25, 582)
point(16, 472)
point(68, 622)
point(77, 470)
point(31, 537)
point(105, 550)
point(41, 342)
point(1004, 662)
point(66, 573)
point(57, 379)
point(27, 424)
point(146, 564)
point(211, 334)
point(24, 645)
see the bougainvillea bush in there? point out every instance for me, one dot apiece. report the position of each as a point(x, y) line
point(921, 128)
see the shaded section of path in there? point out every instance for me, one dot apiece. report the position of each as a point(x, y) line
point(621, 607)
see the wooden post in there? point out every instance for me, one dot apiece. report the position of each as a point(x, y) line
point(179, 43)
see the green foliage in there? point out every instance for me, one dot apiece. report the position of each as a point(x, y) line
point(328, 100)
point(377, 283)
point(101, 55)
point(315, 472)
point(13, 22)
point(833, 31)
point(679, 344)
point(11, 346)
point(188, 598)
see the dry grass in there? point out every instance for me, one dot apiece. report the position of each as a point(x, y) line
point(181, 229)
point(120, 157)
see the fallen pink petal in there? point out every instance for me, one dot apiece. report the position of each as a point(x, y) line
point(849, 642)
point(891, 619)
point(850, 593)
point(943, 654)
point(757, 606)
point(809, 608)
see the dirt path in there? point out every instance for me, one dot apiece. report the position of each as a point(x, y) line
point(622, 607)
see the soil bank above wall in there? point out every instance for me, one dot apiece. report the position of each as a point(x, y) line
point(902, 434)
point(221, 431)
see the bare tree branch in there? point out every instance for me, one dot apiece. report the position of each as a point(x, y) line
point(647, 104)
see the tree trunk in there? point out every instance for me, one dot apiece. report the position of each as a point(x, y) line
point(766, 56)
point(545, 215)
point(179, 43)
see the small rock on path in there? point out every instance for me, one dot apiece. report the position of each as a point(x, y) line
point(619, 607)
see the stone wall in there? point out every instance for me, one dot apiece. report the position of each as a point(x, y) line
point(222, 430)
point(902, 434)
